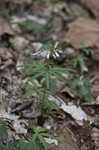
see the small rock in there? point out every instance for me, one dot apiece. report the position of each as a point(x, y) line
point(37, 46)
point(19, 43)
point(30, 37)
point(14, 23)
point(12, 103)
point(70, 52)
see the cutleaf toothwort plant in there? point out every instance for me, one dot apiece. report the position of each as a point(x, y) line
point(44, 71)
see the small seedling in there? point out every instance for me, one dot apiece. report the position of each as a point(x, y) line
point(82, 85)
point(89, 53)
point(29, 145)
point(71, 14)
point(3, 135)
point(6, 14)
point(3, 129)
point(35, 27)
point(79, 61)
point(39, 135)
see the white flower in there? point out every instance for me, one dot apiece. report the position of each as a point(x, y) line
point(48, 56)
point(60, 51)
point(56, 44)
point(54, 56)
point(57, 55)
point(33, 54)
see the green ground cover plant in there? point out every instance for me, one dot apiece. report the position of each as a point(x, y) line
point(6, 14)
point(35, 27)
point(36, 143)
point(82, 85)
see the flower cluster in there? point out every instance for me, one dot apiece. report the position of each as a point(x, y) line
point(51, 51)
point(54, 52)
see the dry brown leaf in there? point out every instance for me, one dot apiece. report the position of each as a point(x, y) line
point(67, 141)
point(67, 91)
point(92, 5)
point(7, 63)
point(6, 74)
point(5, 27)
point(78, 10)
point(83, 31)
point(6, 53)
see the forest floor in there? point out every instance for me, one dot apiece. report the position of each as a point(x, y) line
point(66, 33)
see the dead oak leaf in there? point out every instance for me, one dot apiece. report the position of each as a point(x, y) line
point(67, 140)
point(6, 74)
point(5, 27)
point(6, 53)
point(83, 30)
point(92, 5)
point(7, 63)
point(67, 91)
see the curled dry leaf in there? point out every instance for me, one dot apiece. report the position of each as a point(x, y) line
point(83, 31)
point(6, 74)
point(22, 107)
point(7, 63)
point(66, 91)
point(16, 123)
point(92, 5)
point(5, 27)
